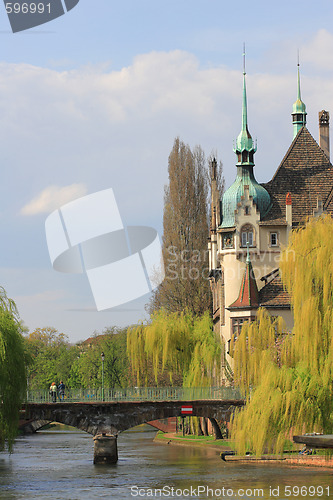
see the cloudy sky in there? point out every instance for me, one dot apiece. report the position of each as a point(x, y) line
point(95, 98)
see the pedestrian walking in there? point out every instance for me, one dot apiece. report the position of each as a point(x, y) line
point(61, 390)
point(53, 392)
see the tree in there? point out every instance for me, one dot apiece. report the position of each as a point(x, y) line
point(12, 371)
point(181, 345)
point(88, 367)
point(291, 375)
point(185, 232)
point(50, 357)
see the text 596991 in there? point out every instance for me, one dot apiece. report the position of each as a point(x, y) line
point(28, 8)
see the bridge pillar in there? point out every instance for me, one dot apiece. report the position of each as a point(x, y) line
point(105, 449)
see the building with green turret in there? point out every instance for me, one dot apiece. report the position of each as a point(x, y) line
point(251, 224)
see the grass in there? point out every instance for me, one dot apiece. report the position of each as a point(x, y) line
point(209, 440)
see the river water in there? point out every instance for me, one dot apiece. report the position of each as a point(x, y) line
point(58, 465)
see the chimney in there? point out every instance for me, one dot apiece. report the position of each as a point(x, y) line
point(289, 214)
point(324, 131)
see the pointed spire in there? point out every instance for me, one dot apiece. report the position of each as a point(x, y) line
point(299, 108)
point(244, 106)
point(244, 143)
point(248, 297)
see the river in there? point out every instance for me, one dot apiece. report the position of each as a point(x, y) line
point(58, 465)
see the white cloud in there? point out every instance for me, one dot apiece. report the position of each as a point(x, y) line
point(53, 197)
point(318, 51)
point(101, 128)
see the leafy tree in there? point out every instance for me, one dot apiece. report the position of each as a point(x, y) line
point(291, 378)
point(179, 344)
point(116, 368)
point(12, 371)
point(50, 357)
point(185, 232)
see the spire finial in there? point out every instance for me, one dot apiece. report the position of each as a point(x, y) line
point(244, 107)
point(299, 109)
point(244, 143)
point(298, 78)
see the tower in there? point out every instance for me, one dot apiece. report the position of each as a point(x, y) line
point(299, 108)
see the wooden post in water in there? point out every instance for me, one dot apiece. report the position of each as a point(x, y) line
point(105, 449)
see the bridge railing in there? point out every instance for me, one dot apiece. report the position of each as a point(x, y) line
point(140, 394)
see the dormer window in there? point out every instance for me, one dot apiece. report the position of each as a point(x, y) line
point(274, 242)
point(247, 235)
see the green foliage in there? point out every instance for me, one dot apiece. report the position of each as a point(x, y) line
point(291, 378)
point(50, 357)
point(180, 344)
point(53, 358)
point(116, 368)
point(12, 376)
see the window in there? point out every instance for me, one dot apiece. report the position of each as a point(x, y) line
point(236, 327)
point(274, 239)
point(228, 240)
point(247, 211)
point(247, 235)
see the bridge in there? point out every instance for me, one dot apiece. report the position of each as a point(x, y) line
point(110, 411)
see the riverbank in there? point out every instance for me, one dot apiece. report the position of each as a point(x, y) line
point(223, 445)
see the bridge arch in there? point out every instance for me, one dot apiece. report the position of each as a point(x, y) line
point(115, 417)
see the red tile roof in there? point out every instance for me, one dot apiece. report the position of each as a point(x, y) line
point(248, 293)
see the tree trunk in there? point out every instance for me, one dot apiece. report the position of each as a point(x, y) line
point(216, 429)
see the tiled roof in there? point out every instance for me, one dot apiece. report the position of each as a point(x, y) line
point(307, 174)
point(273, 295)
point(248, 293)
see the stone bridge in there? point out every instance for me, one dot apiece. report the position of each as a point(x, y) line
point(114, 417)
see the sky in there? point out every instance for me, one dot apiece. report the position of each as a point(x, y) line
point(94, 100)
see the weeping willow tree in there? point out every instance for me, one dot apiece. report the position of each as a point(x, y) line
point(12, 371)
point(180, 344)
point(291, 375)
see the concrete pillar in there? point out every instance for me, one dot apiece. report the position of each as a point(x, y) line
point(105, 449)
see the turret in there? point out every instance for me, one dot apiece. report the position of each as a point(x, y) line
point(244, 150)
point(299, 108)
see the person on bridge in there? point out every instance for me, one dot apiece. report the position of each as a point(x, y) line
point(53, 392)
point(61, 390)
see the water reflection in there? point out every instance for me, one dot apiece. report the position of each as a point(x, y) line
point(58, 465)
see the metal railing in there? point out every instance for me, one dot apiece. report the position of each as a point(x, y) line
point(140, 394)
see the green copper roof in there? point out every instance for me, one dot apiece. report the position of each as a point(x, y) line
point(299, 108)
point(244, 150)
point(234, 194)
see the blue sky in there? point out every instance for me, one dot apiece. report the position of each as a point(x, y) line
point(95, 98)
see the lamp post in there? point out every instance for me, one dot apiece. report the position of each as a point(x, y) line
point(103, 358)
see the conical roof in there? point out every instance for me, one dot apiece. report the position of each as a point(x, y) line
point(248, 297)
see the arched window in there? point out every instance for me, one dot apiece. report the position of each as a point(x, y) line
point(247, 236)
